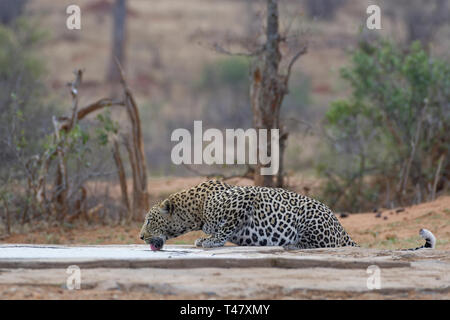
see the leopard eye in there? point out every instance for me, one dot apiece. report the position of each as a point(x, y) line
point(148, 221)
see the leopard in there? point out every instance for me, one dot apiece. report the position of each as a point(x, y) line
point(248, 216)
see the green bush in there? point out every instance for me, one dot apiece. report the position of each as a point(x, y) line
point(25, 113)
point(222, 88)
point(385, 142)
point(228, 72)
point(22, 94)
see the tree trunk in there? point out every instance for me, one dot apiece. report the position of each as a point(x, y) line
point(267, 89)
point(7, 215)
point(135, 148)
point(122, 178)
point(118, 40)
point(280, 175)
point(61, 181)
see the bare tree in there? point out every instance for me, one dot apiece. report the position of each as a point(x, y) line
point(55, 200)
point(135, 147)
point(269, 85)
point(267, 90)
point(118, 40)
point(122, 177)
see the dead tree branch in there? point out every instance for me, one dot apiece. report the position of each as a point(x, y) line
point(218, 48)
point(122, 177)
point(58, 200)
point(136, 152)
point(65, 123)
point(437, 176)
point(303, 50)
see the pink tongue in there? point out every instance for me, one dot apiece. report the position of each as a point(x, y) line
point(153, 248)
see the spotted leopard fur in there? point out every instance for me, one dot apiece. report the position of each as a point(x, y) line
point(245, 215)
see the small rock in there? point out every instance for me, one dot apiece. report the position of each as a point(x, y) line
point(400, 210)
point(385, 218)
point(344, 215)
point(378, 215)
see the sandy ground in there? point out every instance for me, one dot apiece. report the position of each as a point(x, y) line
point(398, 228)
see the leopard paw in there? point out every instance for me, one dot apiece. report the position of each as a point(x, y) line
point(199, 241)
point(212, 243)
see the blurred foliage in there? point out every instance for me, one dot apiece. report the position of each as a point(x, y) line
point(25, 113)
point(107, 127)
point(223, 86)
point(386, 140)
point(229, 71)
point(298, 101)
point(27, 132)
point(23, 104)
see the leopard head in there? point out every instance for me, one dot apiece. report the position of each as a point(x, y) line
point(164, 221)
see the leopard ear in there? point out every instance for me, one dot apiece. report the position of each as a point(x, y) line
point(166, 207)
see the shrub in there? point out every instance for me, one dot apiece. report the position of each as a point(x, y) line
point(388, 143)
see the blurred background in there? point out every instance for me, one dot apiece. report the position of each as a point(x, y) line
point(366, 115)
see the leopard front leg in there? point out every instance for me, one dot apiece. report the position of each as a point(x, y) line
point(199, 242)
point(214, 241)
point(219, 235)
point(209, 242)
